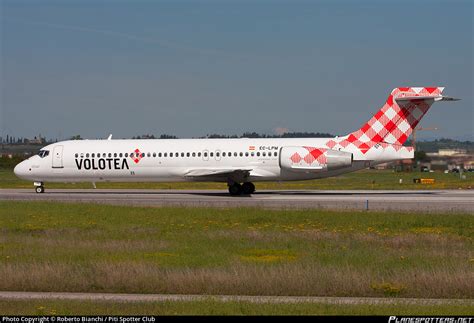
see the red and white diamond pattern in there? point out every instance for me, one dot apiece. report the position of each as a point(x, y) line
point(313, 156)
point(296, 158)
point(393, 123)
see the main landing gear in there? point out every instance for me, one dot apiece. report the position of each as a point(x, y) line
point(39, 188)
point(246, 188)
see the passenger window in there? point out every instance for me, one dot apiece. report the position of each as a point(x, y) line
point(154, 154)
point(165, 155)
point(159, 155)
point(93, 155)
point(110, 154)
point(194, 154)
point(264, 154)
point(148, 155)
point(126, 154)
point(120, 155)
point(187, 155)
point(275, 154)
point(199, 154)
point(87, 155)
point(205, 154)
point(143, 154)
point(241, 154)
point(258, 154)
point(182, 154)
point(211, 154)
point(217, 154)
point(82, 155)
point(223, 154)
point(76, 155)
point(246, 154)
point(235, 154)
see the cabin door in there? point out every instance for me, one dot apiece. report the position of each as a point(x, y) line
point(58, 156)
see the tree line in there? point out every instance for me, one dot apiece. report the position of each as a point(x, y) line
point(245, 135)
point(12, 140)
point(42, 140)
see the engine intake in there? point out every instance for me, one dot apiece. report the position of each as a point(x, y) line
point(313, 159)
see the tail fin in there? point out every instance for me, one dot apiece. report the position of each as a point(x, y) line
point(395, 121)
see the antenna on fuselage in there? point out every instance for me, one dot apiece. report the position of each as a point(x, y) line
point(109, 137)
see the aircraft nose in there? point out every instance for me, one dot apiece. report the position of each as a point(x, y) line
point(21, 170)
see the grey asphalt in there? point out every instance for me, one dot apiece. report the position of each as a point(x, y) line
point(396, 200)
point(228, 298)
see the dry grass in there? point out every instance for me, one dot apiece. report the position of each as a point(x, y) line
point(56, 247)
point(282, 279)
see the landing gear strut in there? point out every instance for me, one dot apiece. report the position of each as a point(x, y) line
point(39, 188)
point(246, 188)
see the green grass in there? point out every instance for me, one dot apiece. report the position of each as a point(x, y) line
point(98, 248)
point(364, 179)
point(16, 307)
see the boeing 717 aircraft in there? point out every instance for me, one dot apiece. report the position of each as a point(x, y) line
point(238, 162)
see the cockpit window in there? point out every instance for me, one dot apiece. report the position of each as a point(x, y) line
point(43, 153)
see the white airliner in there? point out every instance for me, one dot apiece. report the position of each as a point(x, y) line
point(238, 162)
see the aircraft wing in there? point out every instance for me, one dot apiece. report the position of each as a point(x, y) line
point(218, 172)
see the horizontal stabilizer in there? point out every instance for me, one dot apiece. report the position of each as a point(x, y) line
point(448, 98)
point(422, 98)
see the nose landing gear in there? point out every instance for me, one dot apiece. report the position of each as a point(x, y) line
point(39, 188)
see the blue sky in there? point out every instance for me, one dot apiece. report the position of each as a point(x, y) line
point(191, 68)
